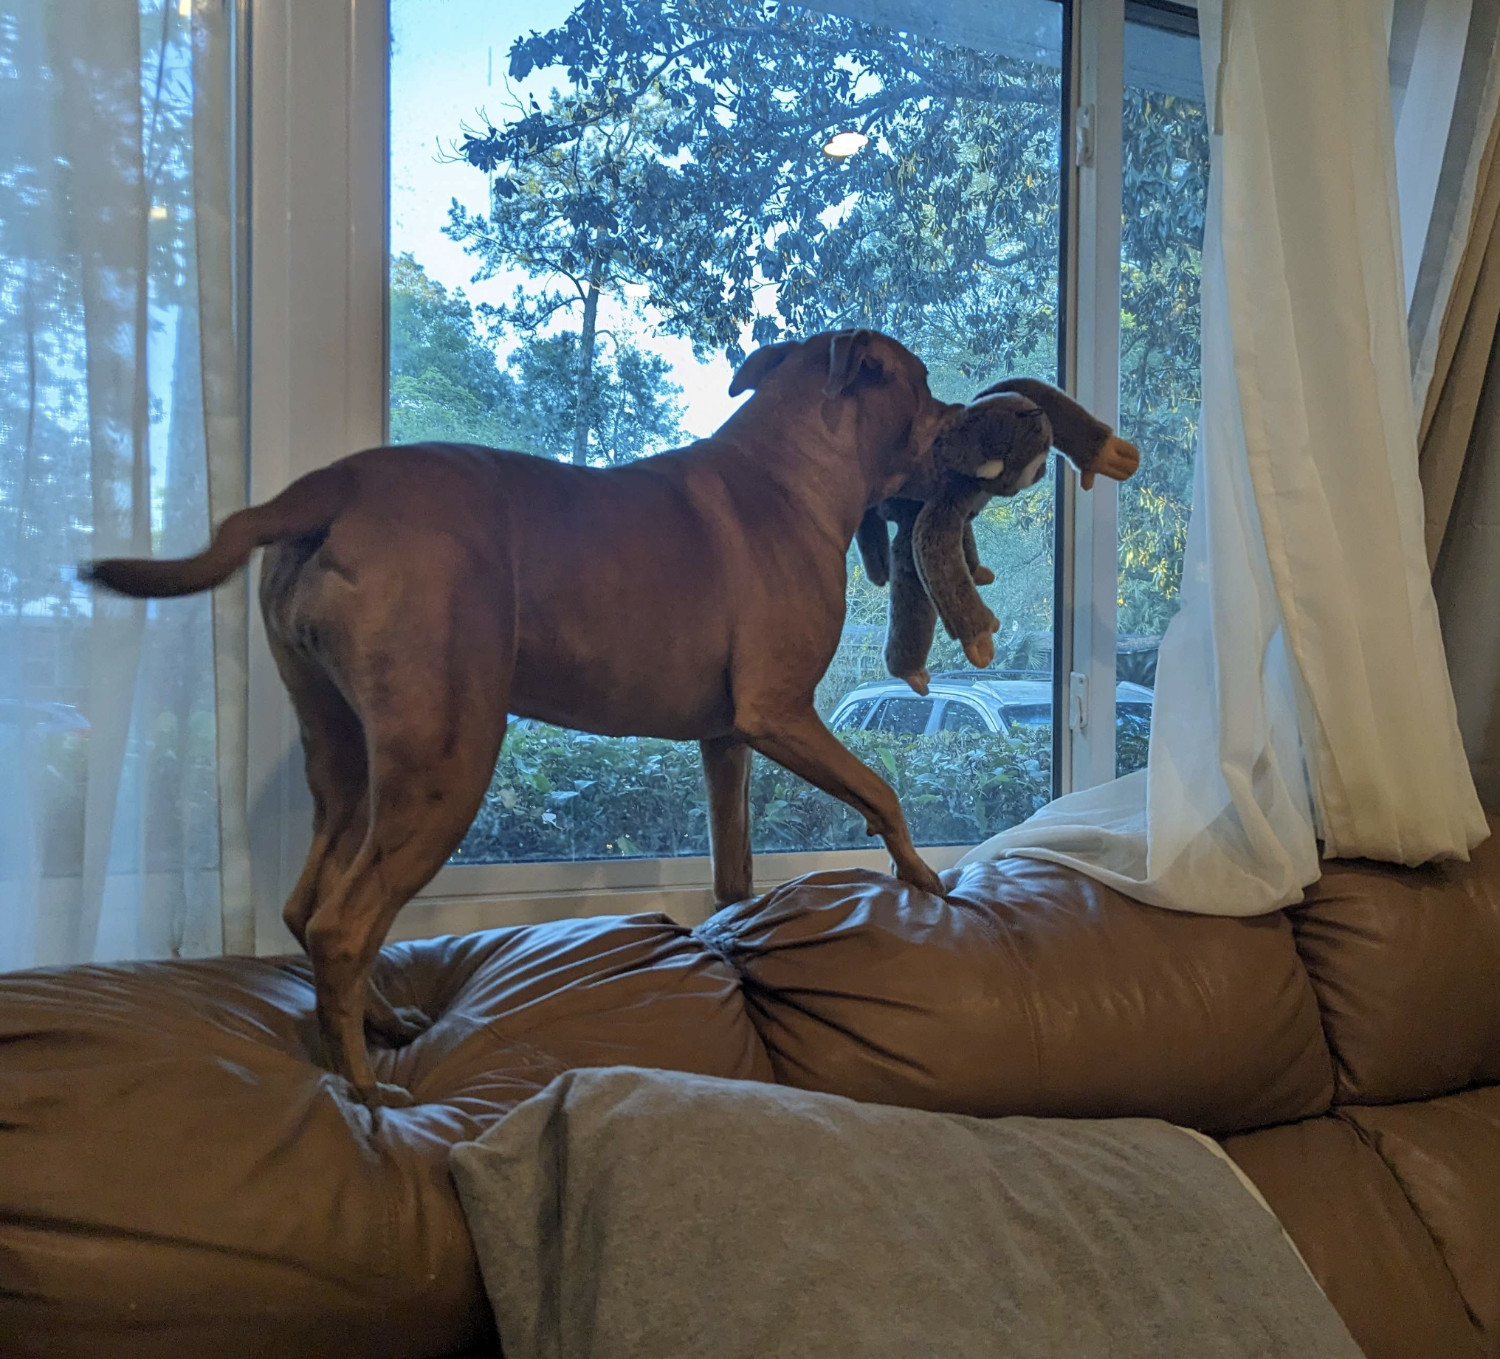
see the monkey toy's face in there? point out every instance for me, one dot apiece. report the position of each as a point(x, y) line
point(1001, 441)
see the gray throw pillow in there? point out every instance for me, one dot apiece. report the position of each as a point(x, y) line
point(650, 1214)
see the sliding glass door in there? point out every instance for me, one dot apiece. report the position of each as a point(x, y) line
point(598, 209)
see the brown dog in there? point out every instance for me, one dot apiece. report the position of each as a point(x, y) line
point(413, 597)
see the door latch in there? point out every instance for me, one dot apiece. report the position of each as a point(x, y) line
point(1083, 135)
point(1078, 701)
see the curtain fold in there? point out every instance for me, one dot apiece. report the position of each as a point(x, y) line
point(1302, 690)
point(1445, 275)
point(116, 331)
point(224, 452)
point(1454, 338)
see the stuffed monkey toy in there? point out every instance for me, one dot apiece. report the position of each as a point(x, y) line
point(995, 446)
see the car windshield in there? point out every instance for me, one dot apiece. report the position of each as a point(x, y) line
point(1028, 714)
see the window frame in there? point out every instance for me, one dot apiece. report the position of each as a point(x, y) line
point(1087, 546)
point(317, 259)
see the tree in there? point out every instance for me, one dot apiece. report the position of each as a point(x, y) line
point(629, 406)
point(446, 383)
point(1164, 196)
point(684, 171)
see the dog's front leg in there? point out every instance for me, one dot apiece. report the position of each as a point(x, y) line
point(804, 745)
point(726, 771)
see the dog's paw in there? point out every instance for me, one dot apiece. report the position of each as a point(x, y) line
point(924, 879)
point(383, 1096)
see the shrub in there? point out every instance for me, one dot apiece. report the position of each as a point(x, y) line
point(567, 795)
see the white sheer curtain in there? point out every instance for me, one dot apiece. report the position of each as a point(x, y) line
point(120, 723)
point(1302, 693)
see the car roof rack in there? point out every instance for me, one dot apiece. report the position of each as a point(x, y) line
point(980, 676)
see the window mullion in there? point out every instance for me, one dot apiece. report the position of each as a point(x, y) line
point(1087, 716)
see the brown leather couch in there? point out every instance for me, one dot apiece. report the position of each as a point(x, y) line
point(179, 1178)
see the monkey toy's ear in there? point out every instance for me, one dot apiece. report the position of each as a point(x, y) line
point(874, 541)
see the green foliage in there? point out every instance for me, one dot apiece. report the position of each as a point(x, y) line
point(1165, 192)
point(567, 795)
point(446, 383)
point(632, 405)
point(684, 162)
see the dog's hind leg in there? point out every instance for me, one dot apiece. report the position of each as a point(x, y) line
point(434, 716)
point(333, 749)
point(726, 771)
point(333, 746)
point(805, 746)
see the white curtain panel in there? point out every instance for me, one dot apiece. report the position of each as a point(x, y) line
point(1302, 693)
point(115, 434)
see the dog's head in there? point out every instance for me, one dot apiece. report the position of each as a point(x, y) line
point(871, 388)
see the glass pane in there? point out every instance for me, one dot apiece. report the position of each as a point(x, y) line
point(1165, 194)
point(959, 716)
point(904, 716)
point(596, 211)
point(852, 717)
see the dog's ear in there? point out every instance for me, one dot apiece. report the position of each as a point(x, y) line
point(853, 357)
point(753, 371)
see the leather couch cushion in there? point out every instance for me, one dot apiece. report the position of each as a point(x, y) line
point(1376, 1262)
point(1445, 1154)
point(178, 1177)
point(1405, 965)
point(1030, 990)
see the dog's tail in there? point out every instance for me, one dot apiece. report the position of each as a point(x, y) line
point(306, 506)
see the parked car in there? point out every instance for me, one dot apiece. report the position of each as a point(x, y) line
point(972, 701)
